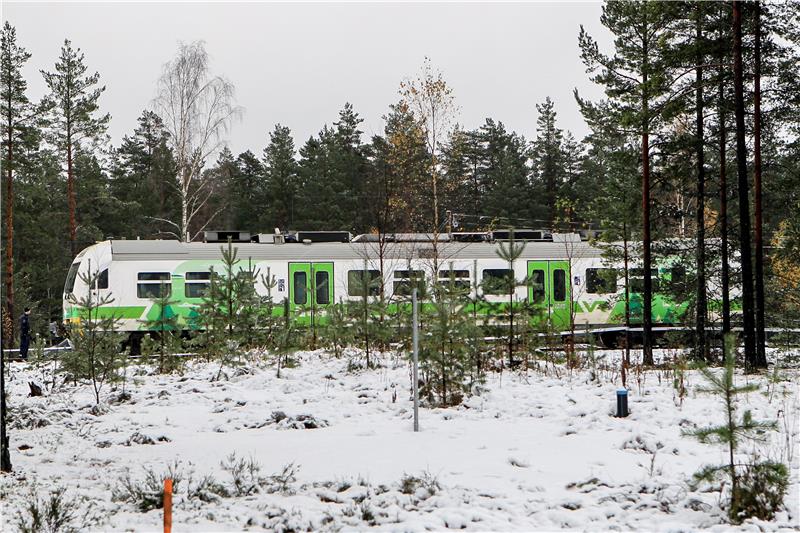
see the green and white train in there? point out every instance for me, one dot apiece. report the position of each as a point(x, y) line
point(318, 269)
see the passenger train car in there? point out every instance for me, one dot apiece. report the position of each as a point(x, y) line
point(568, 274)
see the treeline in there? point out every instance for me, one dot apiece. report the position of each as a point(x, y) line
point(679, 147)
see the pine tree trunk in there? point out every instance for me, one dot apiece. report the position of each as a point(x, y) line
point(647, 304)
point(627, 296)
point(744, 200)
point(73, 226)
point(761, 357)
point(8, 336)
point(702, 304)
point(723, 208)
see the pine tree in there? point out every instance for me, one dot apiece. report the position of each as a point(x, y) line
point(246, 193)
point(167, 329)
point(748, 485)
point(229, 310)
point(748, 308)
point(96, 345)
point(445, 350)
point(367, 330)
point(640, 82)
point(398, 188)
point(338, 332)
point(613, 156)
point(74, 117)
point(547, 157)
point(509, 252)
point(281, 173)
point(16, 114)
point(143, 165)
point(508, 195)
point(333, 171)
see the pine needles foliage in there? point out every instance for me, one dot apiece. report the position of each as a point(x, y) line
point(166, 341)
point(96, 352)
point(757, 488)
point(445, 353)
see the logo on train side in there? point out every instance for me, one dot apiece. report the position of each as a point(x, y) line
point(597, 305)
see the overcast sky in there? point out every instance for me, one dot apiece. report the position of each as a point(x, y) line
point(297, 64)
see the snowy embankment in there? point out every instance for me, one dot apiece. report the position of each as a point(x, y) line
point(534, 451)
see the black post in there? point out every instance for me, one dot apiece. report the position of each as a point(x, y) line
point(5, 456)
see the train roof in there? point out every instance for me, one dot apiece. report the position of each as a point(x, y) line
point(159, 250)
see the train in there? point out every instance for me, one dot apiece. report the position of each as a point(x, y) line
point(570, 280)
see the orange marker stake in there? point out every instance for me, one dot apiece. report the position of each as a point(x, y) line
point(167, 505)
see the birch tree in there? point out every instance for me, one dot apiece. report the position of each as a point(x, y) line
point(197, 109)
point(431, 100)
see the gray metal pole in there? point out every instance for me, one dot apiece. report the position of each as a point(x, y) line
point(415, 356)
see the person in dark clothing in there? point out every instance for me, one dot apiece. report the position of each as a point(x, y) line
point(24, 333)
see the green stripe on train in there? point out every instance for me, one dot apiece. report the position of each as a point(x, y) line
point(120, 312)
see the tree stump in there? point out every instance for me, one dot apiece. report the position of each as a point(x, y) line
point(36, 390)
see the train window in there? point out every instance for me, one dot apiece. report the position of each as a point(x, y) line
point(154, 276)
point(102, 280)
point(71, 276)
point(601, 280)
point(458, 274)
point(497, 280)
point(153, 285)
point(559, 285)
point(677, 276)
point(406, 280)
point(357, 280)
point(637, 284)
point(537, 285)
point(197, 284)
point(321, 282)
point(454, 279)
point(300, 282)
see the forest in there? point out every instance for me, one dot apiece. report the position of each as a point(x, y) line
point(694, 150)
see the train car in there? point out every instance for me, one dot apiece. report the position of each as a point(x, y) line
point(566, 275)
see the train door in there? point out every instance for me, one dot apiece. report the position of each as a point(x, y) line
point(560, 298)
point(310, 289)
point(538, 288)
point(549, 291)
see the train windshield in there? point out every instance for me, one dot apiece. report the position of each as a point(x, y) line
point(71, 275)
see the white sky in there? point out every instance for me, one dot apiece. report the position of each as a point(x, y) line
point(297, 64)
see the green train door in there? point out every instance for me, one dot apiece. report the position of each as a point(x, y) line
point(560, 294)
point(549, 291)
point(310, 290)
point(538, 289)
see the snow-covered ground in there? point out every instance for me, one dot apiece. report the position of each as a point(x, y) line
point(535, 451)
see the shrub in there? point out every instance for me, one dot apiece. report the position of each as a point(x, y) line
point(244, 474)
point(762, 487)
point(54, 513)
point(148, 493)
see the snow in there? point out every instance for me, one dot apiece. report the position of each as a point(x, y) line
point(535, 450)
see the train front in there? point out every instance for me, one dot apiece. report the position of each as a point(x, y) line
point(90, 265)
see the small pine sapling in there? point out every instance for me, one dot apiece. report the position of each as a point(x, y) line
point(509, 252)
point(96, 349)
point(755, 484)
point(338, 332)
point(228, 309)
point(164, 321)
point(366, 330)
point(268, 313)
point(444, 352)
